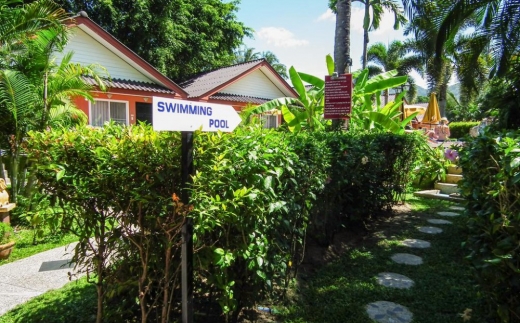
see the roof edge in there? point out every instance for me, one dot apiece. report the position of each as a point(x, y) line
point(82, 19)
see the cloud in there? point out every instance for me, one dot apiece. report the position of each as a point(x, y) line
point(280, 37)
point(327, 16)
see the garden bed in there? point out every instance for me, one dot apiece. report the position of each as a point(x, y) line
point(336, 282)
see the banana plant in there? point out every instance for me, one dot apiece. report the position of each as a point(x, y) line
point(303, 112)
point(367, 112)
point(306, 111)
point(387, 118)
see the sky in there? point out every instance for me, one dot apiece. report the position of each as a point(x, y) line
point(301, 32)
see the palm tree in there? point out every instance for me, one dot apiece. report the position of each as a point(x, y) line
point(246, 54)
point(33, 89)
point(271, 58)
point(497, 24)
point(458, 56)
point(398, 56)
point(342, 58)
point(378, 9)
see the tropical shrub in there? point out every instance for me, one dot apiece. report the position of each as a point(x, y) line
point(461, 129)
point(491, 185)
point(369, 173)
point(116, 186)
point(501, 98)
point(251, 199)
point(35, 91)
point(431, 165)
point(252, 196)
point(5, 233)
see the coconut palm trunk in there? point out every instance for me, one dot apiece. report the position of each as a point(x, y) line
point(366, 26)
point(342, 36)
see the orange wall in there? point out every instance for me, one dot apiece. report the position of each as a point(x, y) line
point(83, 104)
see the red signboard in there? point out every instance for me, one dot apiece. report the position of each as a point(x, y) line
point(338, 96)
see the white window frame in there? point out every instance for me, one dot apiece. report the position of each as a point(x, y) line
point(127, 110)
point(265, 124)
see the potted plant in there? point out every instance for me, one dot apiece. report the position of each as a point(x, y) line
point(6, 240)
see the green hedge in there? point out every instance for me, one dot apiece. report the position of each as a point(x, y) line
point(461, 129)
point(254, 194)
point(369, 174)
point(491, 184)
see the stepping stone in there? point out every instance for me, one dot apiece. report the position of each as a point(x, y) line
point(388, 312)
point(394, 280)
point(439, 221)
point(416, 243)
point(407, 259)
point(457, 208)
point(448, 213)
point(430, 230)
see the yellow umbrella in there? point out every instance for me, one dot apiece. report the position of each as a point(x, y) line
point(432, 114)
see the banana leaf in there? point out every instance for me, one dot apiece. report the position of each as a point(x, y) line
point(383, 84)
point(330, 64)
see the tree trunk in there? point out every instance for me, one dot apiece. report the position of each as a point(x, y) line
point(342, 43)
point(443, 93)
point(100, 272)
point(166, 288)
point(366, 26)
point(342, 36)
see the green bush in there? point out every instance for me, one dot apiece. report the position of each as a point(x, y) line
point(369, 173)
point(491, 185)
point(461, 129)
point(254, 193)
point(117, 185)
point(5, 233)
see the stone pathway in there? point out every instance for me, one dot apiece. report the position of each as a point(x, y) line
point(439, 221)
point(394, 280)
point(26, 278)
point(416, 243)
point(457, 208)
point(389, 312)
point(407, 259)
point(430, 230)
point(448, 213)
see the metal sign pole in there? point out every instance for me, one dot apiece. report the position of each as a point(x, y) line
point(187, 230)
point(187, 116)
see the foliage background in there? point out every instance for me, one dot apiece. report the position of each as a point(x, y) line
point(180, 38)
point(491, 185)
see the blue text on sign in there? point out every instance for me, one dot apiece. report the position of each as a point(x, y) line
point(184, 108)
point(218, 124)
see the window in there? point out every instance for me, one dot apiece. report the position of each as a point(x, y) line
point(105, 111)
point(270, 121)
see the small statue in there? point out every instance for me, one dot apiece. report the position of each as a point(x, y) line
point(4, 196)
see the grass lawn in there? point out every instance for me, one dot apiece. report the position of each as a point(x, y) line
point(339, 290)
point(25, 248)
point(74, 303)
point(444, 286)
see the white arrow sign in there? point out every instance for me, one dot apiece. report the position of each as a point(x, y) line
point(180, 115)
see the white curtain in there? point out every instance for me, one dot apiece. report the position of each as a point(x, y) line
point(99, 113)
point(104, 111)
point(270, 121)
point(118, 112)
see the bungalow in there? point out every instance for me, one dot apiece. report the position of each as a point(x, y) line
point(240, 85)
point(134, 81)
